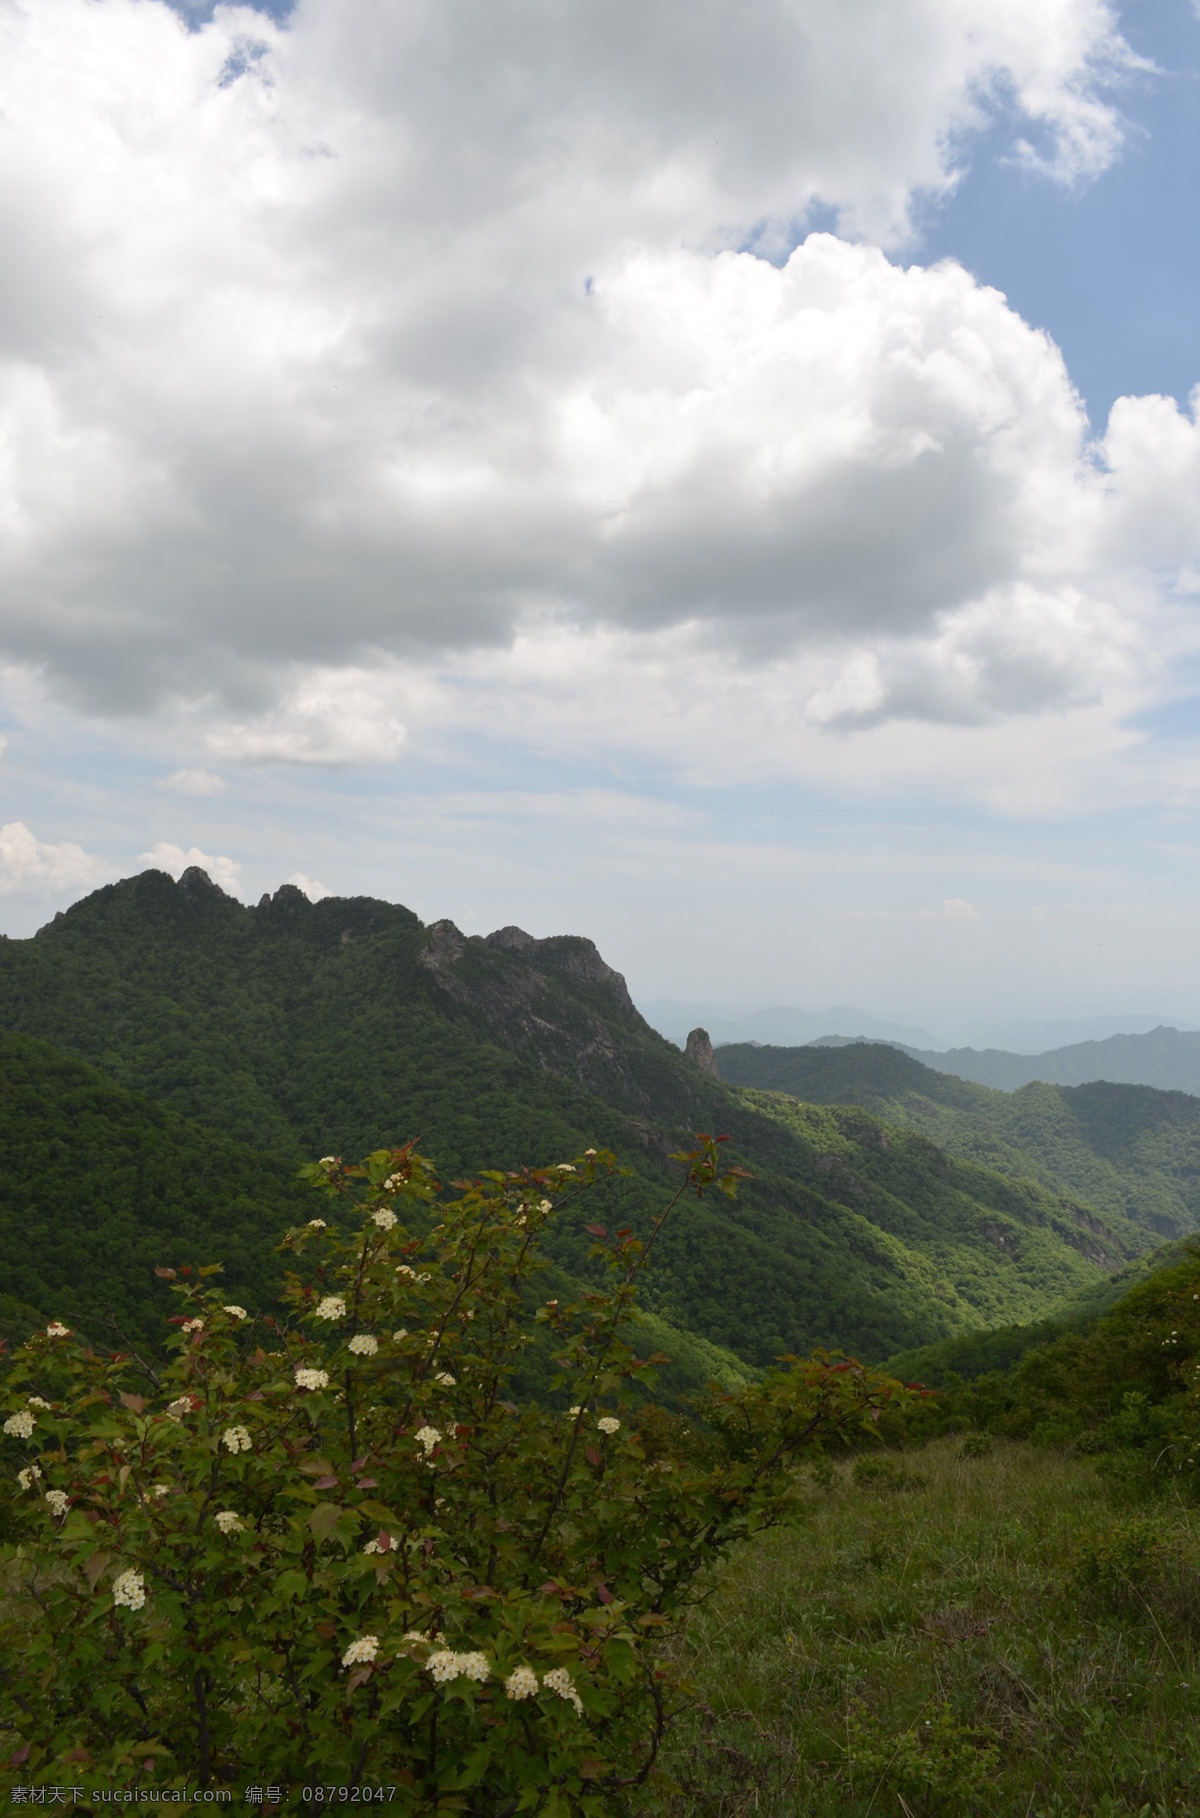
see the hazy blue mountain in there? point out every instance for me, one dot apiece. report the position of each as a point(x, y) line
point(1164, 1057)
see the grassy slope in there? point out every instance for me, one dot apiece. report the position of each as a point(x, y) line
point(944, 1644)
point(1127, 1151)
point(302, 1029)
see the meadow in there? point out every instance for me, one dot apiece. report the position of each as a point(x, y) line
point(977, 1626)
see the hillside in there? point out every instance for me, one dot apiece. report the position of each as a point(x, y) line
point(1127, 1151)
point(299, 1029)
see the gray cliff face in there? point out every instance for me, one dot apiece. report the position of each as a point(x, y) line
point(559, 1001)
point(700, 1050)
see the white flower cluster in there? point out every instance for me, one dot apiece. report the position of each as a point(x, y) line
point(385, 1218)
point(364, 1344)
point(35, 1401)
point(129, 1591)
point(359, 1652)
point(522, 1682)
point(445, 1379)
point(229, 1521)
point(329, 1161)
point(445, 1665)
point(405, 1273)
point(192, 1325)
point(28, 1477)
point(237, 1439)
point(428, 1437)
point(177, 1409)
point(332, 1307)
point(399, 1335)
point(574, 1413)
point(545, 1206)
point(235, 1312)
point(58, 1501)
point(312, 1379)
point(316, 1224)
point(21, 1425)
point(56, 1329)
point(376, 1545)
point(393, 1183)
point(559, 1680)
point(566, 1167)
point(608, 1424)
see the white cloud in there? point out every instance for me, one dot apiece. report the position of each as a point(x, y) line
point(37, 868)
point(194, 782)
point(313, 890)
point(166, 856)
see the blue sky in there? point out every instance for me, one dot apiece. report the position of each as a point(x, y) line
point(425, 472)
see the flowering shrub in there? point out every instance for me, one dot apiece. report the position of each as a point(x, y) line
point(295, 1556)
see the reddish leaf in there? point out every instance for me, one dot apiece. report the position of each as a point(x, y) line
point(359, 1677)
point(325, 1630)
point(163, 1275)
point(20, 1756)
point(133, 1402)
point(596, 1230)
point(324, 1483)
point(383, 1541)
point(94, 1566)
point(603, 1593)
point(365, 1483)
point(550, 1589)
point(592, 1456)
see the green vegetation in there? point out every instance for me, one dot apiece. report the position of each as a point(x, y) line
point(299, 1029)
point(327, 1546)
point(991, 1630)
point(1127, 1152)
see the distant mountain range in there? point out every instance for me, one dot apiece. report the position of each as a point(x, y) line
point(785, 1026)
point(1166, 1058)
point(294, 1029)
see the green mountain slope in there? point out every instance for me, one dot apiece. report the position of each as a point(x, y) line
point(98, 1186)
point(301, 1029)
point(1128, 1152)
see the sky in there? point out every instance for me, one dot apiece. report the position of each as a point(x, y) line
point(721, 479)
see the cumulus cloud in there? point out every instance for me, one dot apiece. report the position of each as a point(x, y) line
point(39, 868)
point(410, 339)
point(313, 890)
point(166, 856)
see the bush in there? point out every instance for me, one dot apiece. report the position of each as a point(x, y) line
point(329, 1547)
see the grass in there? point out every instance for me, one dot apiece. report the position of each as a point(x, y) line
point(977, 1628)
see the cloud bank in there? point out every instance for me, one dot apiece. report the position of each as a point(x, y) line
point(360, 374)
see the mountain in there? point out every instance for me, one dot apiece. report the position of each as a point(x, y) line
point(784, 1024)
point(1126, 1151)
point(297, 1029)
point(1163, 1057)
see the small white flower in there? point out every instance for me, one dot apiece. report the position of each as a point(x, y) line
point(607, 1424)
point(56, 1329)
point(545, 1206)
point(235, 1312)
point(192, 1325)
point(316, 1224)
point(312, 1379)
point(229, 1521)
point(58, 1501)
point(428, 1437)
point(405, 1273)
point(237, 1439)
point(566, 1167)
point(332, 1307)
point(591, 1154)
point(364, 1344)
point(35, 1401)
point(399, 1335)
point(177, 1409)
point(574, 1413)
point(20, 1425)
point(385, 1218)
point(443, 1666)
point(444, 1377)
point(474, 1666)
point(160, 1490)
point(364, 1649)
point(328, 1161)
point(393, 1183)
point(559, 1680)
point(522, 1682)
point(129, 1591)
point(28, 1477)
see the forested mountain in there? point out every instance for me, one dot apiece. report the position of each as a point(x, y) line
point(1125, 1150)
point(1164, 1057)
point(297, 1029)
